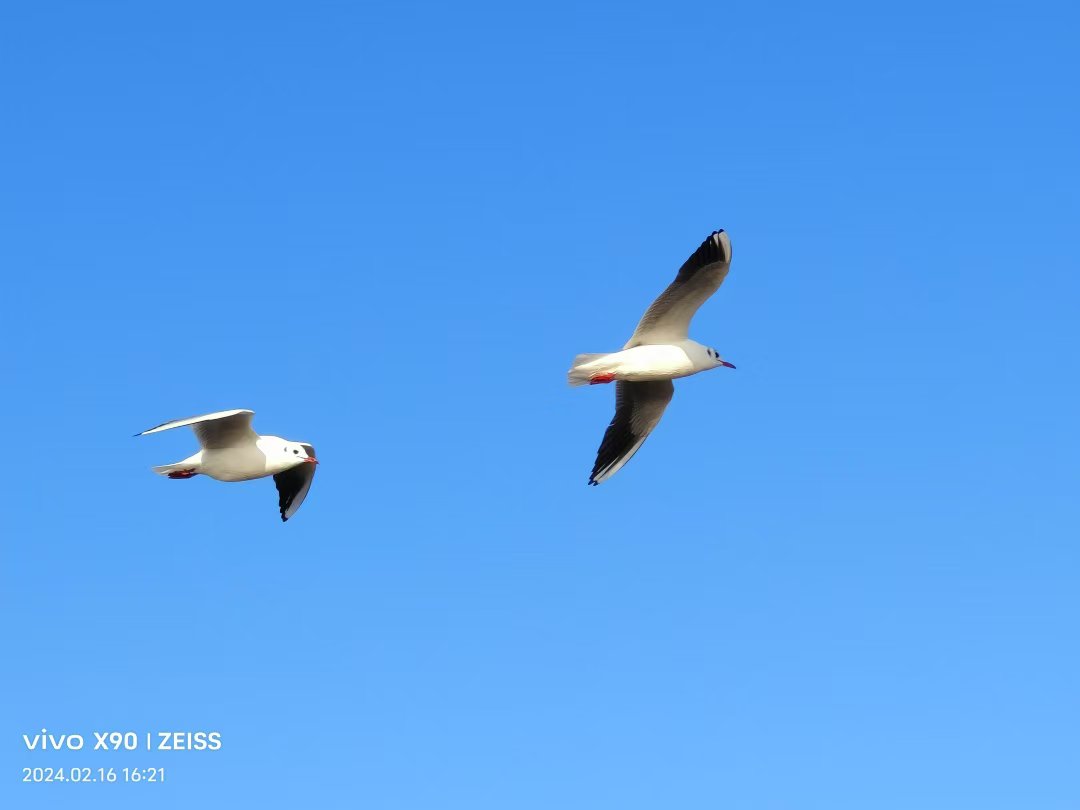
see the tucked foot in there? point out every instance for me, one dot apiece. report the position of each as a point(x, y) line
point(183, 474)
point(600, 379)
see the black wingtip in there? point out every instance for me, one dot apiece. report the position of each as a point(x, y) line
point(715, 248)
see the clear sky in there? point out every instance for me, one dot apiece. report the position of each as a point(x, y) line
point(841, 577)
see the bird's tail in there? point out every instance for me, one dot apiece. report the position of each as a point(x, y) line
point(582, 370)
point(181, 469)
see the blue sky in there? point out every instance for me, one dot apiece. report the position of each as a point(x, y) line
point(842, 576)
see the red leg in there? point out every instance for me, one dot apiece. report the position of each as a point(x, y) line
point(183, 474)
point(599, 379)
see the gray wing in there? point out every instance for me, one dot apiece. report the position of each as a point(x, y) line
point(293, 485)
point(215, 430)
point(638, 408)
point(668, 318)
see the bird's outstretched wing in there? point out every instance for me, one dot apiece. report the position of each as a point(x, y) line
point(215, 430)
point(668, 318)
point(293, 485)
point(638, 408)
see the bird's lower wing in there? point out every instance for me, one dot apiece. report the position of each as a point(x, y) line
point(638, 408)
point(292, 486)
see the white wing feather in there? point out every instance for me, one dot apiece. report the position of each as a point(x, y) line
point(667, 320)
point(215, 430)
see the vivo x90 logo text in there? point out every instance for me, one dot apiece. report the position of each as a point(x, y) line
point(125, 741)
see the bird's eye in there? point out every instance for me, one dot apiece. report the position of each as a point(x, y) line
point(296, 452)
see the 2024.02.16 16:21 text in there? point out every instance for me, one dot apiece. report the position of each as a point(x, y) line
point(89, 775)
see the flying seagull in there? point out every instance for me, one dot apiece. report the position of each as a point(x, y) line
point(658, 352)
point(232, 451)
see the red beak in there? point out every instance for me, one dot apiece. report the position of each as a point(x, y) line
point(311, 460)
point(726, 363)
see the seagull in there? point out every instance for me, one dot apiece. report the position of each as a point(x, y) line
point(658, 352)
point(232, 451)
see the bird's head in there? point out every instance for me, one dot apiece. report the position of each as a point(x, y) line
point(301, 453)
point(284, 455)
point(717, 359)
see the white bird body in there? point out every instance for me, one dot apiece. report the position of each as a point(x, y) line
point(232, 451)
point(660, 361)
point(243, 462)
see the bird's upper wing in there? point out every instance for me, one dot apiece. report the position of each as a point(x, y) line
point(638, 408)
point(215, 430)
point(668, 318)
point(293, 485)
